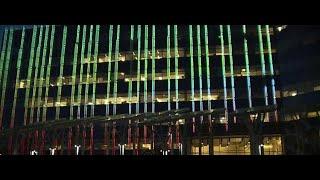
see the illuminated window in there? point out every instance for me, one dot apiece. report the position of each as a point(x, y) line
point(195, 148)
point(272, 145)
point(293, 93)
point(146, 146)
point(231, 146)
point(316, 88)
point(122, 58)
point(22, 84)
point(62, 103)
point(280, 28)
point(128, 146)
point(312, 114)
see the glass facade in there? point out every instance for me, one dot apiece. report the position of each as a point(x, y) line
point(52, 73)
point(239, 145)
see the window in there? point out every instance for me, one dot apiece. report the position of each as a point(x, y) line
point(272, 145)
point(204, 147)
point(231, 146)
point(316, 88)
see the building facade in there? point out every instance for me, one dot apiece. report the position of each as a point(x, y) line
point(298, 49)
point(229, 73)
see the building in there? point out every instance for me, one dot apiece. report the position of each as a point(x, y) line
point(298, 50)
point(141, 89)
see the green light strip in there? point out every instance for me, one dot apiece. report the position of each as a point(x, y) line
point(2, 61)
point(246, 56)
point(153, 66)
point(130, 81)
point(63, 46)
point(233, 93)
point(74, 70)
point(5, 74)
point(43, 61)
point(44, 113)
point(96, 49)
point(115, 80)
point(176, 56)
point(138, 69)
point(3, 52)
point(146, 68)
point(199, 66)
point(263, 68)
point(88, 73)
point(271, 65)
point(109, 68)
point(83, 46)
point(168, 65)
point(36, 71)
point(207, 65)
point(191, 67)
point(223, 72)
point(13, 111)
point(30, 67)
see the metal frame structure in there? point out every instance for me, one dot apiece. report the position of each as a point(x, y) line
point(167, 130)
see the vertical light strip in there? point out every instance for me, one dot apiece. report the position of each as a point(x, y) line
point(88, 73)
point(83, 46)
point(36, 71)
point(3, 52)
point(168, 65)
point(130, 73)
point(263, 68)
point(146, 68)
point(153, 66)
point(271, 65)
point(192, 76)
point(96, 49)
point(191, 67)
point(223, 72)
point(41, 78)
point(130, 82)
point(2, 35)
point(199, 66)
point(109, 68)
point(233, 94)
point(199, 74)
point(176, 56)
point(145, 78)
point(44, 113)
point(115, 80)
point(246, 56)
point(2, 60)
point(207, 65)
point(176, 66)
point(138, 69)
point(63, 50)
point(5, 75)
point(74, 71)
point(13, 111)
point(274, 98)
point(4, 86)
